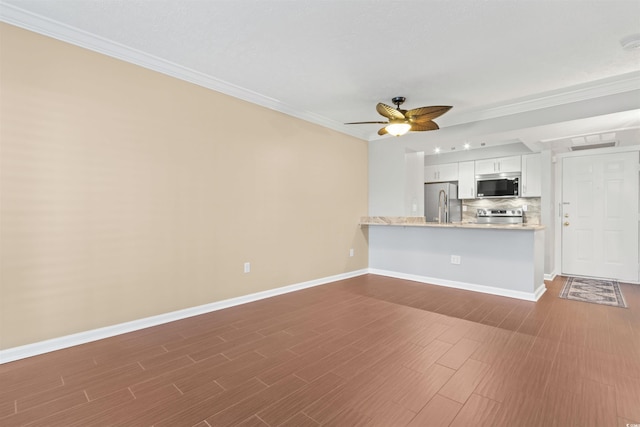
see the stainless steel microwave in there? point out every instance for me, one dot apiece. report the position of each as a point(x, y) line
point(498, 185)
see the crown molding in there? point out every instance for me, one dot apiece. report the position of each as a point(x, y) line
point(39, 24)
point(622, 85)
point(59, 31)
point(584, 92)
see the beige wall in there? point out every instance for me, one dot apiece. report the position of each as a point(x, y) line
point(124, 194)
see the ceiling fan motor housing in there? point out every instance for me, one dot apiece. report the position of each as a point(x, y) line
point(398, 100)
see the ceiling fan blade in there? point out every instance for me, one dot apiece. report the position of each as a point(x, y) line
point(429, 113)
point(364, 123)
point(382, 131)
point(421, 127)
point(420, 119)
point(389, 112)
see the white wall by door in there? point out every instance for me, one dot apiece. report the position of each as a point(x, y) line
point(598, 210)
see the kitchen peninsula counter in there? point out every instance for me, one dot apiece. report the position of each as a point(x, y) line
point(488, 258)
point(404, 221)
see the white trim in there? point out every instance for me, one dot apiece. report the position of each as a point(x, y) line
point(42, 25)
point(600, 88)
point(16, 353)
point(527, 296)
point(48, 27)
point(550, 277)
point(557, 232)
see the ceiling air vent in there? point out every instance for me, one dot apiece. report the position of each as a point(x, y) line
point(593, 141)
point(592, 146)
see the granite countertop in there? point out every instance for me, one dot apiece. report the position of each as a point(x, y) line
point(419, 221)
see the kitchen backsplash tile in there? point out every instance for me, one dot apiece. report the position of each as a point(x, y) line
point(531, 216)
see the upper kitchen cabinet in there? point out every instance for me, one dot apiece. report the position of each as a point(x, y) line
point(439, 173)
point(466, 180)
point(531, 184)
point(499, 165)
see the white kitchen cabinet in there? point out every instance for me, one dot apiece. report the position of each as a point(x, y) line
point(485, 166)
point(531, 182)
point(440, 173)
point(498, 165)
point(466, 180)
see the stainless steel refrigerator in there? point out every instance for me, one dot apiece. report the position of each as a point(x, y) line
point(441, 200)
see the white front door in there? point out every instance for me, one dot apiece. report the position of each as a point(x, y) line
point(600, 216)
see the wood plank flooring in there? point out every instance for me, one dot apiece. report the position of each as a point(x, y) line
point(367, 351)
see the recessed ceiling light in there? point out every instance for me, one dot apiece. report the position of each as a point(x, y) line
point(467, 146)
point(631, 42)
point(437, 150)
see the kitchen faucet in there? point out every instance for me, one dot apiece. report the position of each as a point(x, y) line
point(442, 196)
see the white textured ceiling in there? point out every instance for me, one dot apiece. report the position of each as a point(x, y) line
point(331, 61)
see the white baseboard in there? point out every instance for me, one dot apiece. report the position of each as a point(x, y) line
point(551, 276)
point(528, 296)
point(29, 350)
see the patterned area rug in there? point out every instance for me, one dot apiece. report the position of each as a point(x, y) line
point(593, 290)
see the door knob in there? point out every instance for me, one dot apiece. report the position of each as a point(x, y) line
point(566, 223)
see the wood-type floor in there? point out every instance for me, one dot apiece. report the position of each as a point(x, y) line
point(367, 351)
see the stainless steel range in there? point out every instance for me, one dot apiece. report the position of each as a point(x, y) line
point(499, 216)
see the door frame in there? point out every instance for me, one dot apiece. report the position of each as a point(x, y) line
point(557, 190)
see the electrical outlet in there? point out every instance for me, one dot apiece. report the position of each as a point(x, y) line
point(247, 267)
point(524, 208)
point(351, 252)
point(455, 259)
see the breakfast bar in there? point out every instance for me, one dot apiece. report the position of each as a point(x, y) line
point(506, 260)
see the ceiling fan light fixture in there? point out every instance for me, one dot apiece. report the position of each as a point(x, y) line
point(402, 121)
point(397, 127)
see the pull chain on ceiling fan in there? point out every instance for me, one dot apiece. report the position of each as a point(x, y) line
point(402, 121)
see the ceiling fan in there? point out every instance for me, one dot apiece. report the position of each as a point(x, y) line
point(402, 121)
